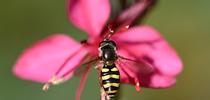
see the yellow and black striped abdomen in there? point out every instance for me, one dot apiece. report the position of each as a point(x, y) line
point(110, 78)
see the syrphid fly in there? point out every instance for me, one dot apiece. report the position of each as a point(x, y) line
point(107, 64)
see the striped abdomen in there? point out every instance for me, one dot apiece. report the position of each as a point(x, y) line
point(110, 78)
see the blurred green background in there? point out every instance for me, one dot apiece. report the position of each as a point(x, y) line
point(184, 23)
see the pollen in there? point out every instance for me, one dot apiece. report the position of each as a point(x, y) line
point(53, 81)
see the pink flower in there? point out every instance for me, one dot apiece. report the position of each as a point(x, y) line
point(57, 58)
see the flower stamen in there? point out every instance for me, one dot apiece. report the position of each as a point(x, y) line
point(138, 88)
point(53, 81)
point(68, 59)
point(127, 26)
point(46, 87)
point(82, 82)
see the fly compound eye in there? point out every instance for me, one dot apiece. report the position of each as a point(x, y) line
point(113, 43)
point(107, 44)
point(102, 43)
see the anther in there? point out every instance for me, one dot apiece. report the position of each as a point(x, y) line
point(53, 81)
point(127, 26)
point(56, 81)
point(138, 88)
point(110, 29)
point(46, 87)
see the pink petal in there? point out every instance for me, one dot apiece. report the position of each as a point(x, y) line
point(132, 72)
point(89, 15)
point(160, 81)
point(41, 61)
point(145, 43)
point(139, 34)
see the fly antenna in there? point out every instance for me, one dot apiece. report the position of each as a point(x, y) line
point(109, 33)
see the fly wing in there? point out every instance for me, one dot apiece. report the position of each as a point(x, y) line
point(140, 65)
point(134, 71)
point(83, 67)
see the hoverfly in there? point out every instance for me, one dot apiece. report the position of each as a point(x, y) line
point(108, 57)
point(109, 74)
